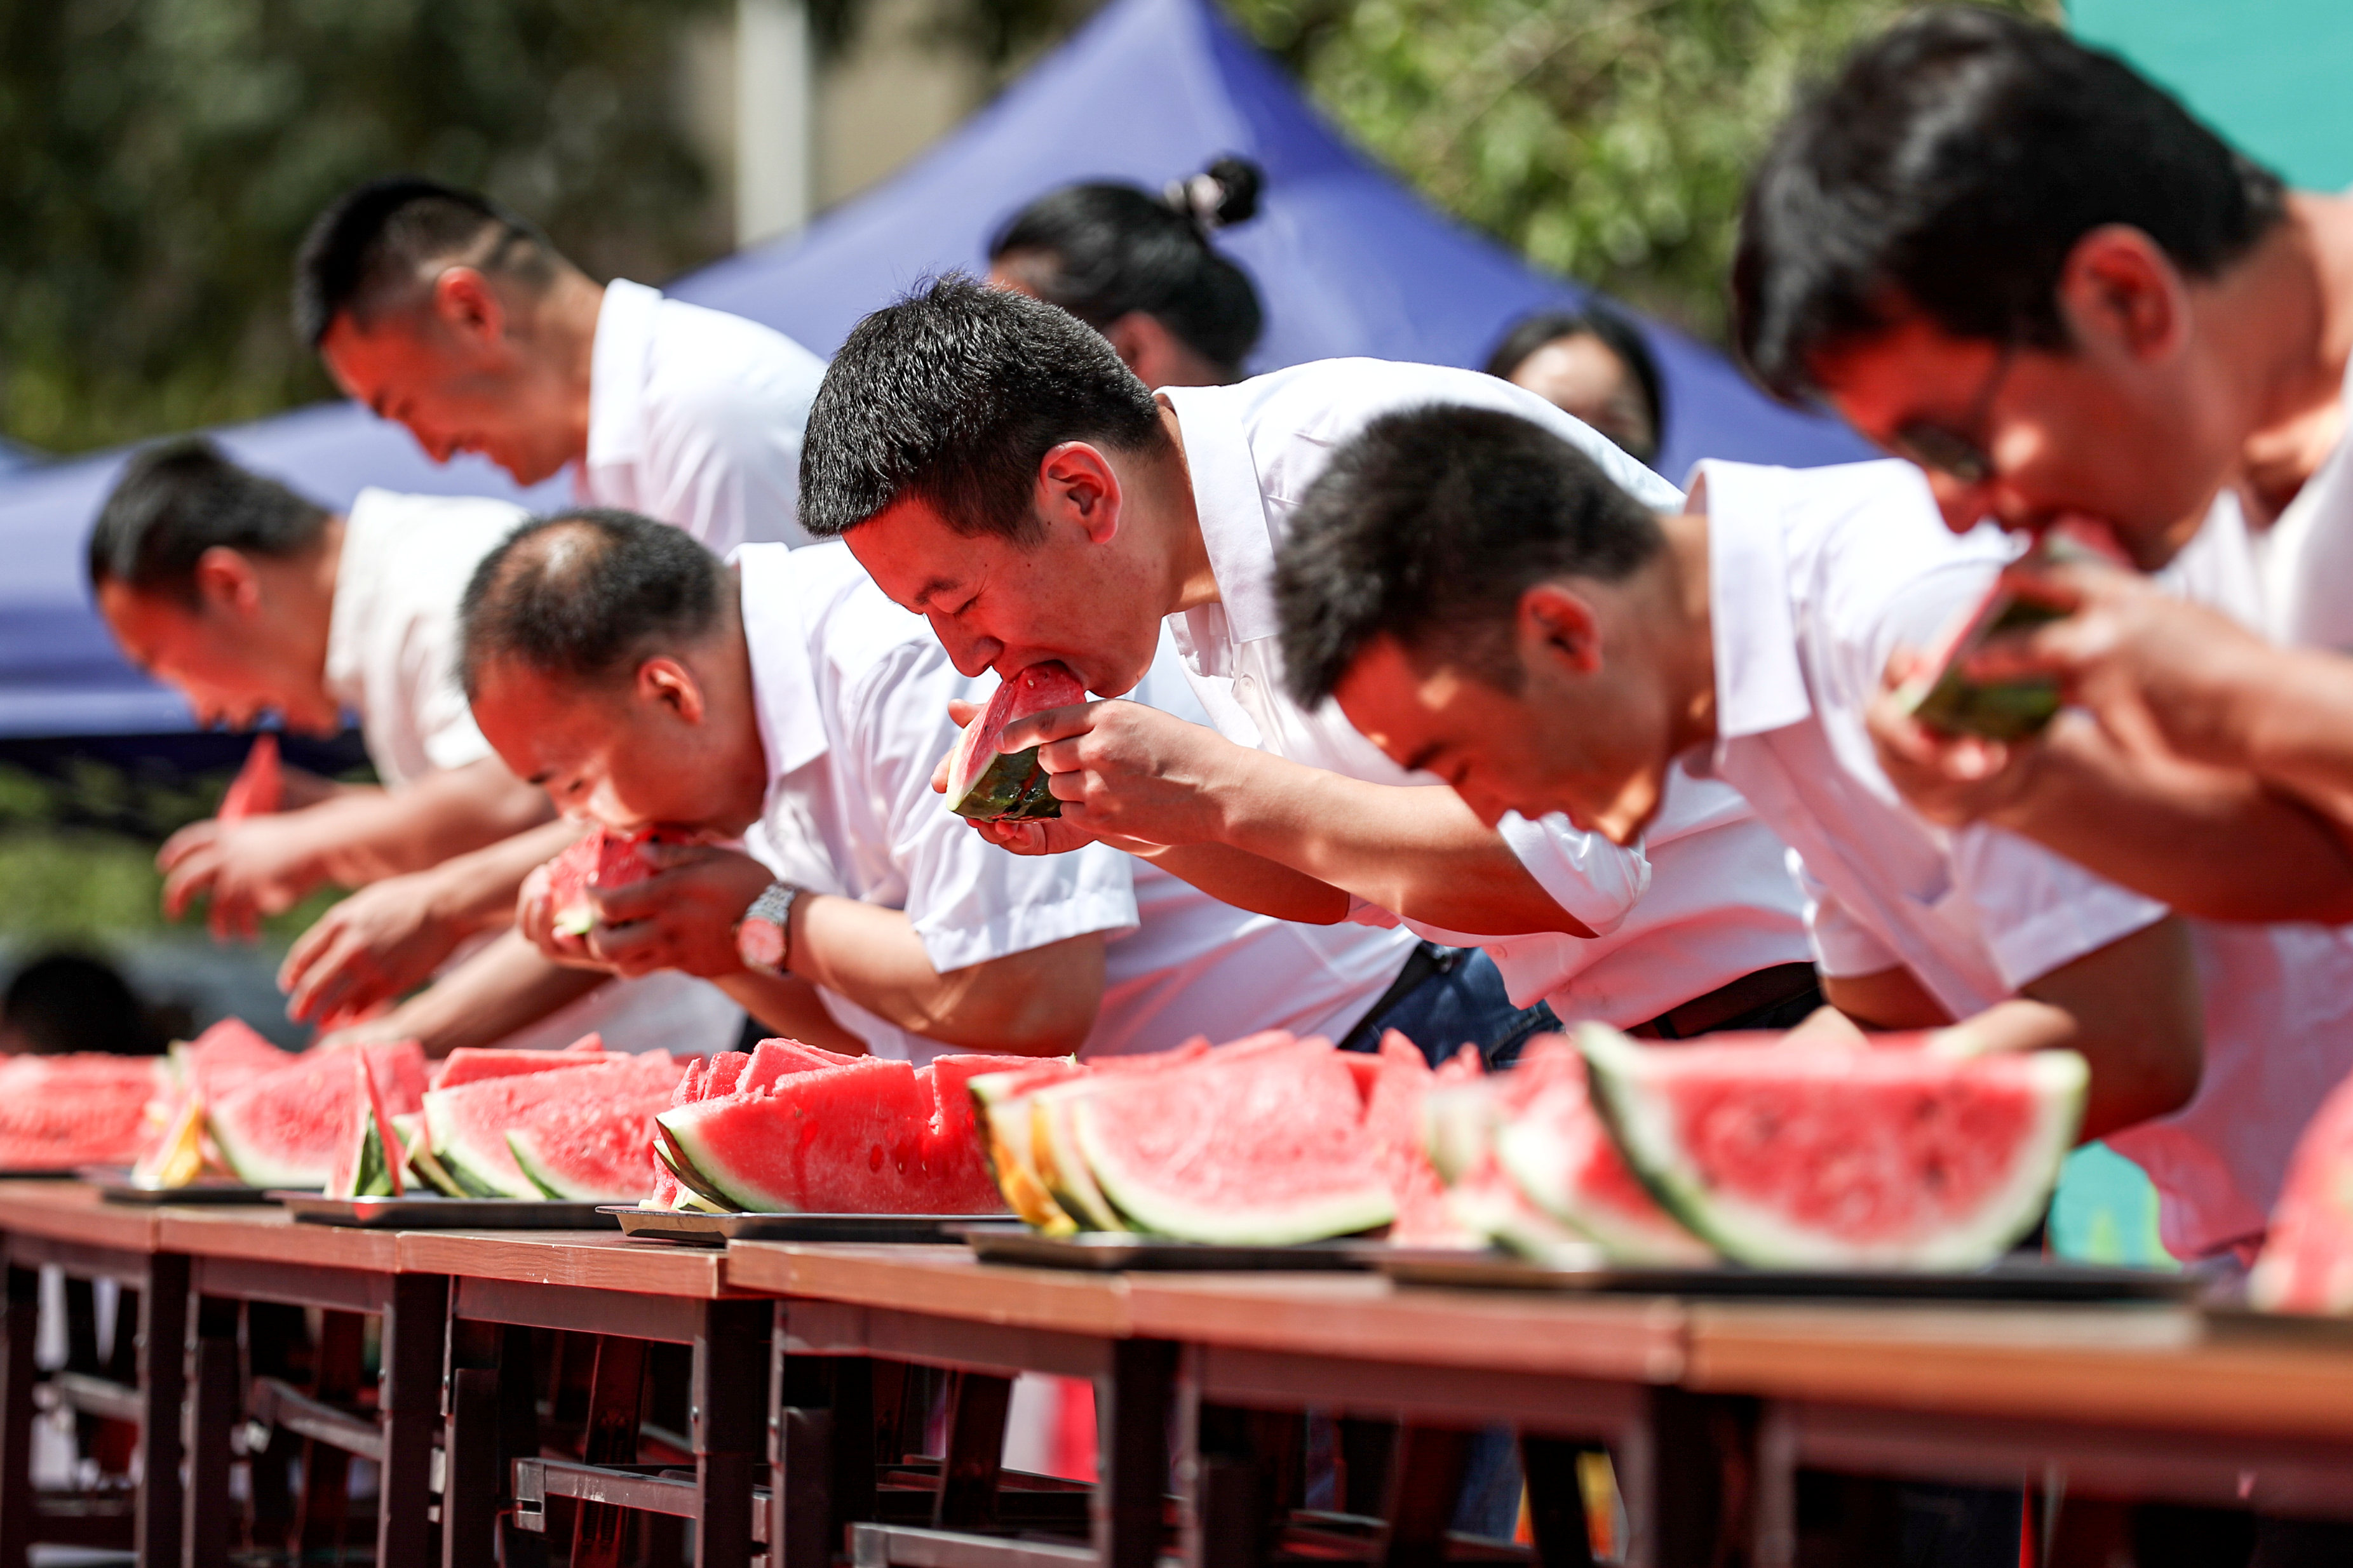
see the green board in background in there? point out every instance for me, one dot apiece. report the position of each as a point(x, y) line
point(2274, 76)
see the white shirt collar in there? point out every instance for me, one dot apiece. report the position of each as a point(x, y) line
point(1228, 499)
point(1759, 683)
point(784, 684)
point(619, 360)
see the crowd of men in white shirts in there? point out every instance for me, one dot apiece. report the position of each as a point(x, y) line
point(1418, 704)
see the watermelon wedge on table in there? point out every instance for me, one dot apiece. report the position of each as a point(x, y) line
point(602, 860)
point(259, 787)
point(1394, 1115)
point(470, 1064)
point(2306, 1263)
point(370, 1162)
point(583, 1134)
point(285, 1129)
point(1806, 1158)
point(84, 1109)
point(1553, 1145)
point(989, 785)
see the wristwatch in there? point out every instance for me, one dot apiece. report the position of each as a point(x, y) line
point(764, 937)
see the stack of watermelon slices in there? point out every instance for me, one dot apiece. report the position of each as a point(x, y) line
point(790, 1128)
point(1914, 1155)
point(86, 1109)
point(574, 1124)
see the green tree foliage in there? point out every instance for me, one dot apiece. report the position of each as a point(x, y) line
point(1608, 140)
point(159, 159)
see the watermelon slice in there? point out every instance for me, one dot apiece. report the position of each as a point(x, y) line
point(471, 1064)
point(259, 787)
point(365, 1166)
point(1243, 1146)
point(601, 859)
point(2306, 1263)
point(1835, 1159)
point(587, 1135)
point(285, 1128)
point(1554, 1147)
point(843, 1140)
point(1003, 1102)
point(82, 1109)
point(418, 1145)
point(1393, 1117)
point(988, 785)
point(226, 1057)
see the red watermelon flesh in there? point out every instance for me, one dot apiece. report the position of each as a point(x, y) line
point(958, 1156)
point(1002, 1100)
point(227, 1057)
point(1393, 1119)
point(988, 785)
point(1555, 1146)
point(471, 1064)
point(259, 787)
point(780, 1057)
point(82, 1109)
point(2306, 1264)
point(726, 1070)
point(365, 1166)
point(1804, 1158)
point(600, 860)
point(585, 1135)
point(285, 1130)
point(1262, 1146)
point(845, 1139)
point(689, 1090)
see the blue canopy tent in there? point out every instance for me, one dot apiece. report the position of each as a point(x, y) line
point(1348, 260)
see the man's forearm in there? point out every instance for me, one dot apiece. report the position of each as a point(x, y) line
point(362, 837)
point(2209, 842)
point(791, 1007)
point(1417, 851)
point(1042, 1001)
point(2292, 720)
point(505, 987)
point(477, 891)
point(1249, 881)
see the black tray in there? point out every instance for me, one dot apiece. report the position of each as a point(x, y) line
point(1112, 1251)
point(39, 1173)
point(2023, 1279)
point(697, 1228)
point(114, 1184)
point(438, 1213)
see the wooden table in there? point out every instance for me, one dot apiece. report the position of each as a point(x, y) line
point(624, 1293)
point(65, 1224)
point(242, 1257)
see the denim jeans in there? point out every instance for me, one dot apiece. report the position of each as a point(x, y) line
point(1462, 1002)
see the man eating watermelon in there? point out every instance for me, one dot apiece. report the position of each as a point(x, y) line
point(1483, 600)
point(782, 703)
point(1038, 503)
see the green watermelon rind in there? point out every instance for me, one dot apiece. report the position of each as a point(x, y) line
point(700, 1167)
point(526, 1153)
point(1502, 1214)
point(441, 1138)
point(1531, 1158)
point(1637, 1120)
point(1066, 1174)
point(1013, 787)
point(690, 1179)
point(418, 1142)
point(253, 1169)
point(1162, 1213)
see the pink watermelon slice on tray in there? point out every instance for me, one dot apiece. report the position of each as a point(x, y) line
point(470, 1064)
point(989, 785)
point(602, 860)
point(370, 1162)
point(86, 1109)
point(259, 787)
point(1554, 1147)
point(1800, 1158)
point(1393, 1119)
point(1241, 1146)
point(583, 1135)
point(2306, 1263)
point(285, 1128)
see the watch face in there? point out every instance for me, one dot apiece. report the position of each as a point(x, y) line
point(760, 943)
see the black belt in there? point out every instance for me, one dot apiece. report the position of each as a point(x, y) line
point(1758, 989)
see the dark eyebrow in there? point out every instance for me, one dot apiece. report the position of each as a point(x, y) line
point(936, 585)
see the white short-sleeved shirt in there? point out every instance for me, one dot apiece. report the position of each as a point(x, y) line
point(695, 418)
point(2307, 555)
point(392, 630)
point(1816, 577)
point(392, 649)
point(853, 693)
point(1706, 901)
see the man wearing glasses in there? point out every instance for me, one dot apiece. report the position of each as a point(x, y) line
point(2011, 260)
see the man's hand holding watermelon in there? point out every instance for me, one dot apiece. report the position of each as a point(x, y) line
point(681, 915)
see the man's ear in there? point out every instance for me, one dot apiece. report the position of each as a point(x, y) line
point(2119, 288)
point(467, 307)
point(664, 681)
point(1557, 629)
point(1077, 485)
point(225, 581)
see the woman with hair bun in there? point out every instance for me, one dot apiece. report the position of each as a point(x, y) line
point(1140, 269)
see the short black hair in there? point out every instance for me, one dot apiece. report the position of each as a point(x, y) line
point(1103, 249)
point(1949, 169)
point(581, 596)
point(364, 252)
point(953, 395)
point(1427, 527)
point(1614, 331)
point(65, 1002)
point(179, 498)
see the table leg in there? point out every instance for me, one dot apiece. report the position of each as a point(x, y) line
point(19, 1327)
point(976, 1451)
point(616, 1396)
point(323, 1509)
point(1425, 1477)
point(407, 1384)
point(161, 1360)
point(475, 1473)
point(1557, 1502)
point(215, 1398)
point(1366, 1449)
point(729, 1423)
point(1132, 1407)
point(1689, 1476)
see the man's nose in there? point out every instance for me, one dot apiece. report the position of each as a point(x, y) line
point(970, 655)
